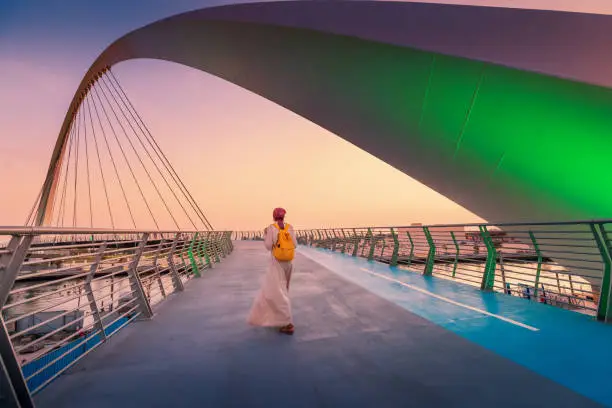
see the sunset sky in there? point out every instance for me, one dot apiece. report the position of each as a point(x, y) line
point(225, 142)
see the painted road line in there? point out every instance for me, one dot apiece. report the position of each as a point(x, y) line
point(452, 302)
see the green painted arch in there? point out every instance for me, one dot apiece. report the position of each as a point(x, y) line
point(505, 143)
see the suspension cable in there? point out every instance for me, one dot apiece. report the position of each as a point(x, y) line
point(164, 159)
point(30, 218)
point(125, 157)
point(93, 132)
point(62, 212)
point(136, 152)
point(87, 165)
point(60, 189)
point(112, 108)
point(112, 158)
point(147, 150)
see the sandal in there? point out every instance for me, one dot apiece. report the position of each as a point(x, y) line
point(288, 329)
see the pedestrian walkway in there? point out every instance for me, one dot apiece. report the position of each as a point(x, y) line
point(352, 348)
point(567, 347)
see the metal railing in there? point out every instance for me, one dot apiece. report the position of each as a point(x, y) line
point(64, 292)
point(247, 236)
point(562, 264)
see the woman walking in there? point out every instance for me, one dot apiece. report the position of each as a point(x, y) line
point(272, 307)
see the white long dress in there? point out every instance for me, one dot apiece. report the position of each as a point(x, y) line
point(272, 306)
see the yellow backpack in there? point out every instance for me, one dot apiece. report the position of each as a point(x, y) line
point(283, 250)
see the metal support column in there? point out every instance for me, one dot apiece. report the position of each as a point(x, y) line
point(176, 278)
point(156, 267)
point(411, 256)
point(227, 244)
point(190, 253)
point(216, 248)
point(224, 244)
point(89, 291)
point(363, 238)
point(185, 264)
point(431, 255)
point(334, 240)
point(396, 245)
point(488, 277)
point(604, 307)
point(206, 249)
point(10, 264)
point(211, 245)
point(536, 283)
point(372, 245)
point(136, 283)
point(502, 272)
point(343, 241)
point(356, 241)
point(456, 253)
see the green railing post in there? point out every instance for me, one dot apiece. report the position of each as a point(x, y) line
point(456, 253)
point(205, 250)
point(488, 278)
point(431, 255)
point(202, 252)
point(536, 247)
point(396, 245)
point(411, 248)
point(604, 307)
point(356, 241)
point(194, 264)
point(372, 244)
point(343, 241)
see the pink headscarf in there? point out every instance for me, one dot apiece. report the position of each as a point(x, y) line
point(279, 216)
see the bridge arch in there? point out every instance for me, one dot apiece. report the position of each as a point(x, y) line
point(463, 99)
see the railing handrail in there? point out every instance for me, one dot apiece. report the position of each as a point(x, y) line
point(487, 223)
point(578, 254)
point(8, 230)
point(43, 335)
